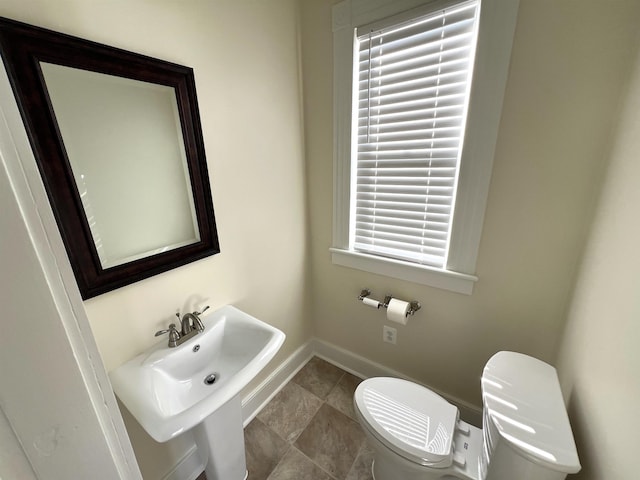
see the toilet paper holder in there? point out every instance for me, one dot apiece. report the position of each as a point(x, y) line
point(414, 305)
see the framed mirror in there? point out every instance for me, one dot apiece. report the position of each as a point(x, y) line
point(118, 142)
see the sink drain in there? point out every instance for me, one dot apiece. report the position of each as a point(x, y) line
point(210, 379)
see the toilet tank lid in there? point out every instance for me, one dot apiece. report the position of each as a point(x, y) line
point(522, 399)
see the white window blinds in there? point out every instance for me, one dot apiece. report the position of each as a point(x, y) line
point(412, 87)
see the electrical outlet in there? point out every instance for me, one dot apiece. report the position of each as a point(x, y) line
point(389, 334)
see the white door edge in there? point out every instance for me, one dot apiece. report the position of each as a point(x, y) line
point(22, 172)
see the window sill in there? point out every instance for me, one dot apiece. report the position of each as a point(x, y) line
point(444, 279)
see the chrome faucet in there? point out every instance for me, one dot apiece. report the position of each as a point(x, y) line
point(190, 325)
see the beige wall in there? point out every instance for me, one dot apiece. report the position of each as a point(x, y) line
point(568, 63)
point(245, 59)
point(599, 360)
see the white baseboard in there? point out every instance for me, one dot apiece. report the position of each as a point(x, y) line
point(364, 368)
point(191, 466)
point(357, 365)
point(263, 393)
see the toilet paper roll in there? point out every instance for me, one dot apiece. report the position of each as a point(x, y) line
point(371, 302)
point(397, 311)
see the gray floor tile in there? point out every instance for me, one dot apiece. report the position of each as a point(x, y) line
point(319, 377)
point(264, 449)
point(290, 411)
point(308, 430)
point(295, 466)
point(341, 397)
point(332, 440)
point(361, 469)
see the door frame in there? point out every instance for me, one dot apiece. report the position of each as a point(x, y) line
point(83, 383)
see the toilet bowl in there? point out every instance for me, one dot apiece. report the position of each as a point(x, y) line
point(418, 435)
point(415, 433)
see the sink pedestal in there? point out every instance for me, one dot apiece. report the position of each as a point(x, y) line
point(220, 442)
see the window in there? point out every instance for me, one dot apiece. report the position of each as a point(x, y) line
point(415, 130)
point(411, 91)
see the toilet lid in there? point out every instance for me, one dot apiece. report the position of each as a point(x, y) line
point(411, 420)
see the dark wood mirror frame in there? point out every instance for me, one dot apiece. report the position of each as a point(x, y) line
point(23, 47)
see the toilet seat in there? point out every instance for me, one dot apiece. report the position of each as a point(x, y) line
point(409, 419)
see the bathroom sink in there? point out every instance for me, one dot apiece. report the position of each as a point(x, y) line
point(171, 390)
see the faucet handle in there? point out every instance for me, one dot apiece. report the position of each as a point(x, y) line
point(198, 325)
point(174, 335)
point(171, 328)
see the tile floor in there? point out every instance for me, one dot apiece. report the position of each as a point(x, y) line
point(309, 430)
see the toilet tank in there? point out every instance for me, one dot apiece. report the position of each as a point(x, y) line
point(527, 435)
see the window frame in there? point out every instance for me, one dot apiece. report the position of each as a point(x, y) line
point(493, 53)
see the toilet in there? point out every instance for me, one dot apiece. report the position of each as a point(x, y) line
point(417, 435)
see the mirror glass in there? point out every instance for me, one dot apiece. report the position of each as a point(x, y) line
point(124, 143)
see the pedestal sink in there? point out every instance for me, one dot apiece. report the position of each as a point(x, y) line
point(197, 385)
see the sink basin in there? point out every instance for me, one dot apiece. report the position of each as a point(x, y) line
point(171, 390)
